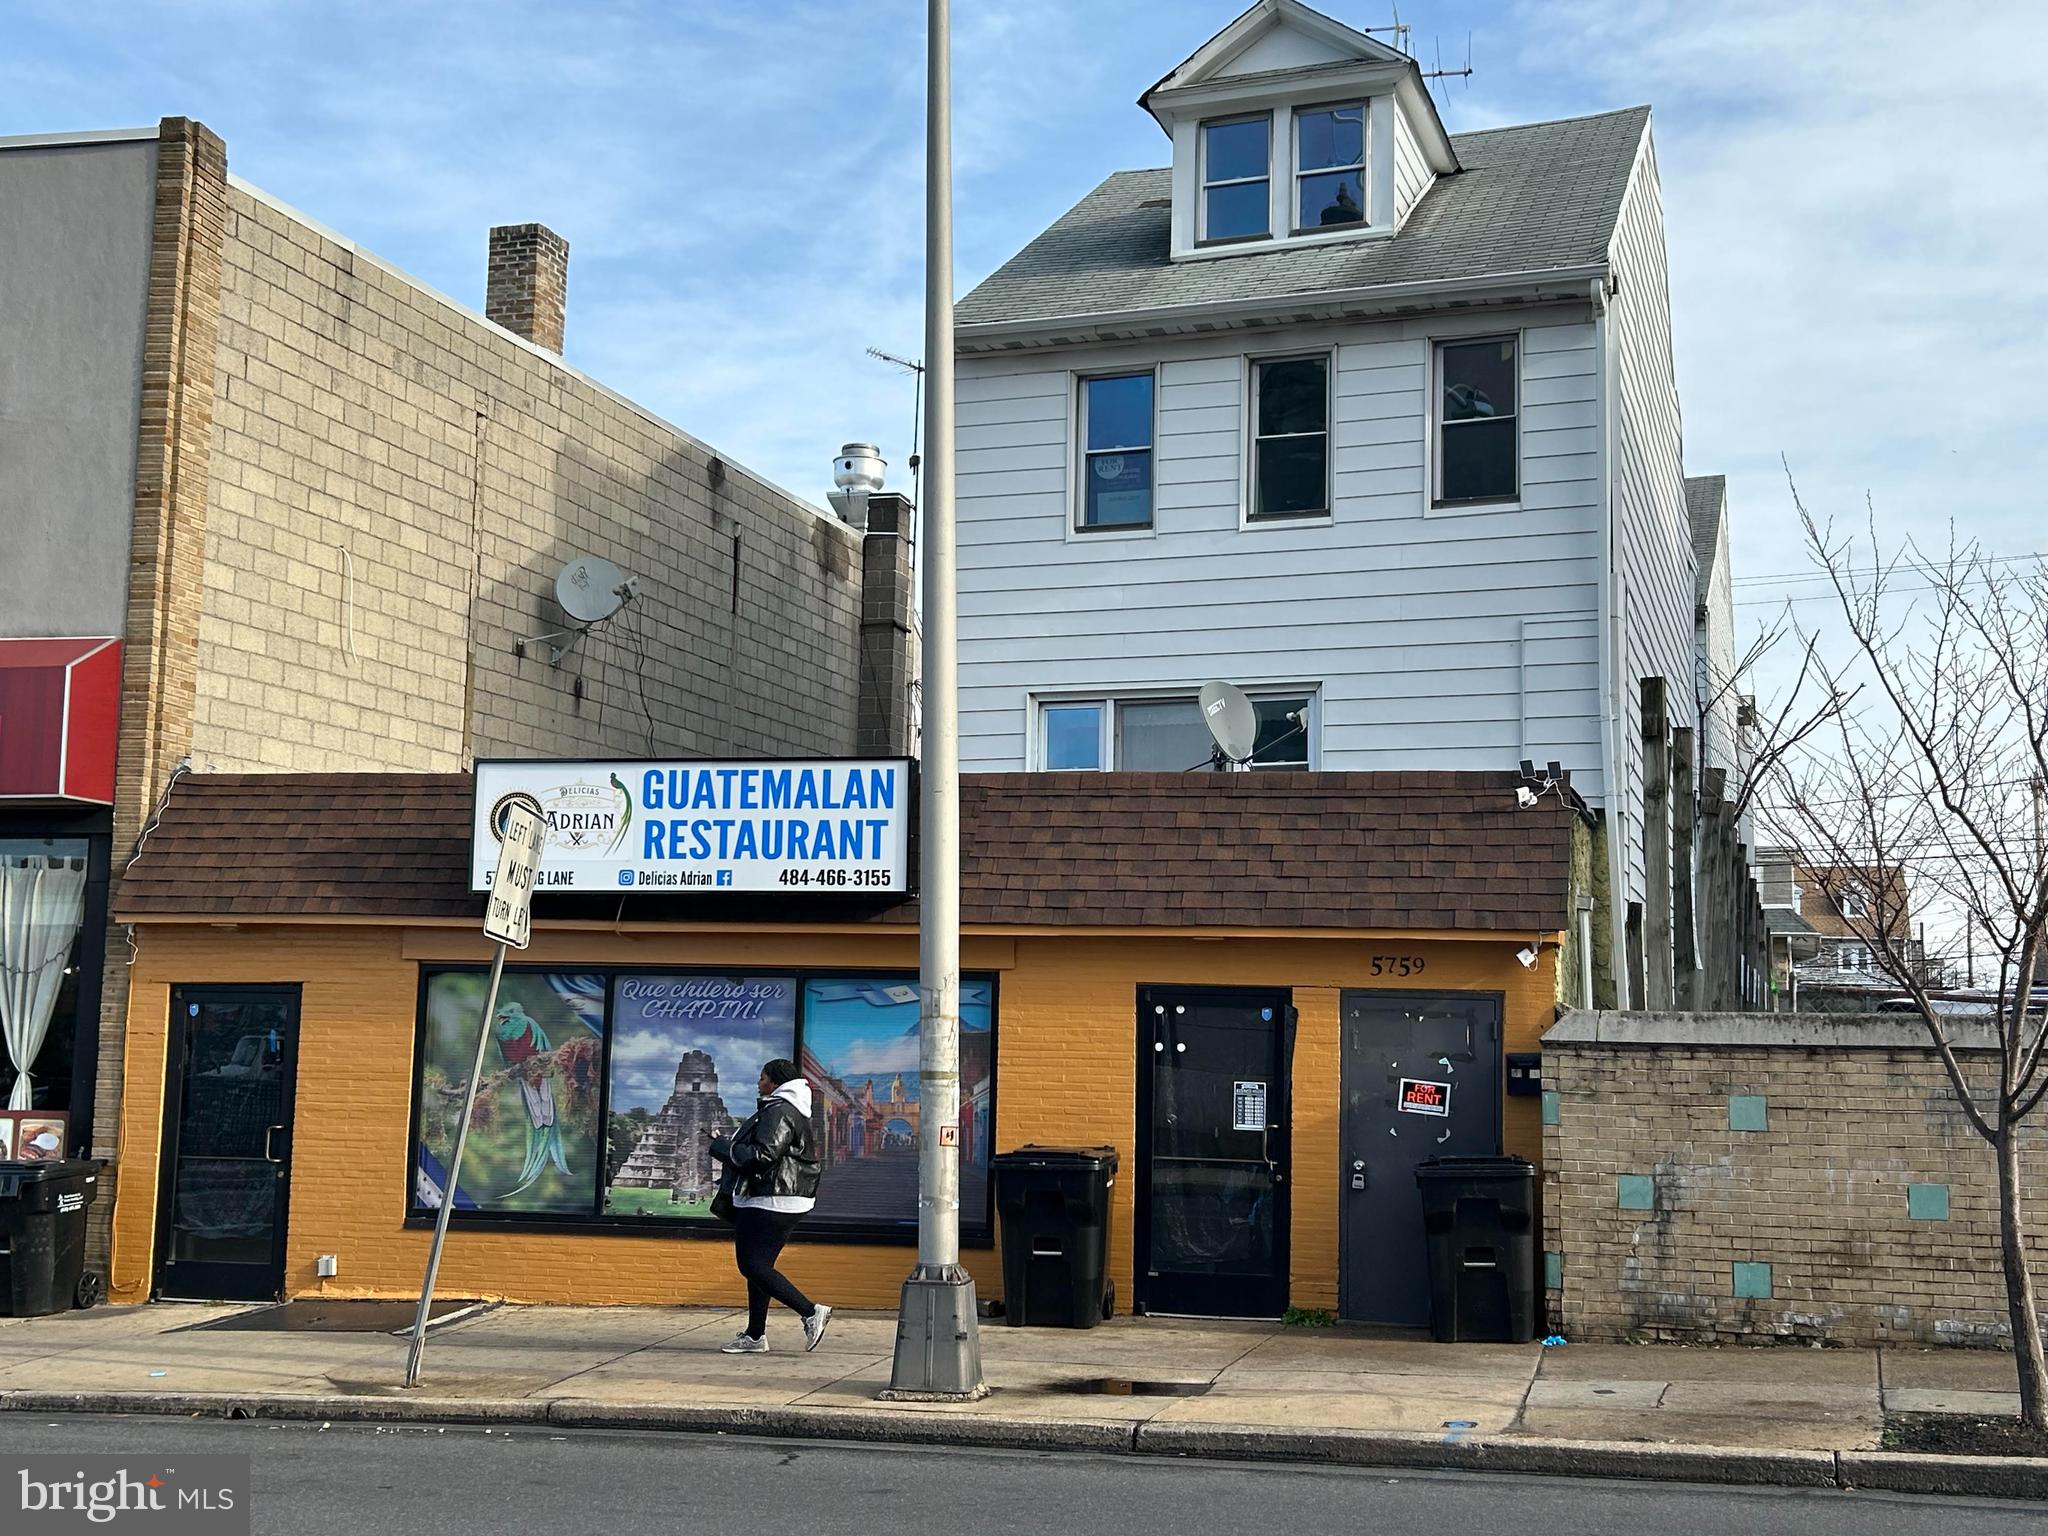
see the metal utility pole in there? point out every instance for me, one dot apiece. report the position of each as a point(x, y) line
point(938, 1340)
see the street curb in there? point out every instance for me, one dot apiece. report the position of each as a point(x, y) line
point(340, 1409)
point(2011, 1477)
point(1465, 1453)
point(868, 1425)
point(1989, 1477)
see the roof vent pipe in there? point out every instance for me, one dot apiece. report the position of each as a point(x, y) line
point(857, 474)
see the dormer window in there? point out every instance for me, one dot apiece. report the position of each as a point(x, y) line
point(1237, 169)
point(1329, 167)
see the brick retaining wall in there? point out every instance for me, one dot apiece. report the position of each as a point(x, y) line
point(1774, 1176)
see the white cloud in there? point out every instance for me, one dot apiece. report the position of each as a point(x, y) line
point(874, 1058)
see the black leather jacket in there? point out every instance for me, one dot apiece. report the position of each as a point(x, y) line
point(774, 1153)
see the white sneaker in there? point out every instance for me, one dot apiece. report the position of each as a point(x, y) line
point(743, 1344)
point(814, 1327)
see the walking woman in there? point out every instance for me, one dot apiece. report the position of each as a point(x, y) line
point(775, 1167)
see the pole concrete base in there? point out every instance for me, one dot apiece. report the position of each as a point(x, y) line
point(938, 1340)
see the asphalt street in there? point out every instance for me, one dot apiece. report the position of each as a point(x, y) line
point(396, 1481)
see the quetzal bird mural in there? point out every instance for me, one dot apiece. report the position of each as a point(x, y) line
point(520, 1038)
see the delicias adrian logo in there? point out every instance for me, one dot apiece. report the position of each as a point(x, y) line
point(105, 1498)
point(580, 817)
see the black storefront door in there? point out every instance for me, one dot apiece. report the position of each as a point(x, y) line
point(227, 1143)
point(1446, 1047)
point(1212, 1139)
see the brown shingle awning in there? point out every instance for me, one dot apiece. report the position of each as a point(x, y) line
point(1252, 850)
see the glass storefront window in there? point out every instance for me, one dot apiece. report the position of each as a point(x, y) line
point(687, 1053)
point(676, 1055)
point(43, 905)
point(860, 1054)
point(534, 1143)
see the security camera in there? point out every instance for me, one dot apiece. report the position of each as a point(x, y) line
point(1524, 797)
point(1527, 955)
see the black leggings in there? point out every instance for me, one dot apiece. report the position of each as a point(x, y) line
point(757, 1239)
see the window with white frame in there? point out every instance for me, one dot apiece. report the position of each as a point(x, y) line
point(1852, 904)
point(1853, 957)
point(1073, 736)
point(1165, 733)
point(1329, 167)
point(1116, 452)
point(1237, 170)
point(1478, 393)
point(1290, 437)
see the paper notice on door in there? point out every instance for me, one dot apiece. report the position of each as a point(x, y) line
point(1419, 1097)
point(1247, 1106)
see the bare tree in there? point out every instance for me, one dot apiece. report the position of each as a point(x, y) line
point(1711, 963)
point(1942, 774)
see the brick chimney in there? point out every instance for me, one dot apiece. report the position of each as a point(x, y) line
point(887, 648)
point(527, 290)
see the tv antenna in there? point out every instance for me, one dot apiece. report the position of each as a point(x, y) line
point(1398, 31)
point(1440, 73)
point(1233, 724)
point(916, 371)
point(590, 591)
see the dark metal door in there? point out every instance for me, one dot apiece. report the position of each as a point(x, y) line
point(1212, 1145)
point(1421, 1080)
point(226, 1174)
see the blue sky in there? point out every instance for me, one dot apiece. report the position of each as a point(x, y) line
point(1854, 194)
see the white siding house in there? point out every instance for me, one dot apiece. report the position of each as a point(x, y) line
point(1376, 422)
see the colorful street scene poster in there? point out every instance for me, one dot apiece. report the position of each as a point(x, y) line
point(860, 1054)
point(687, 1053)
point(533, 1138)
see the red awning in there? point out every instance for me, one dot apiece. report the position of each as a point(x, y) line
point(60, 715)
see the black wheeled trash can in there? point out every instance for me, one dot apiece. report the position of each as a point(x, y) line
point(1054, 1204)
point(42, 1227)
point(1479, 1223)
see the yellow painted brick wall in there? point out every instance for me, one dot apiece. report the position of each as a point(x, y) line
point(1066, 1074)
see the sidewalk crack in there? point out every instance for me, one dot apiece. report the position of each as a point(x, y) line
point(1515, 1425)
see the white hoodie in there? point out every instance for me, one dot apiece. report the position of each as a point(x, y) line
point(797, 1094)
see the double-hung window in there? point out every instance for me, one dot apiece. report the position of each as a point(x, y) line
point(1237, 169)
point(1290, 437)
point(1478, 394)
point(1116, 451)
point(1165, 734)
point(1329, 167)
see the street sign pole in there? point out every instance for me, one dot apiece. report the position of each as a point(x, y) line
point(938, 1339)
point(508, 919)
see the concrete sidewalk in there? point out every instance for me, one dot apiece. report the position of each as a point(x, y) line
point(1772, 1415)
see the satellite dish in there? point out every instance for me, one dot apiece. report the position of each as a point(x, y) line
point(1230, 718)
point(590, 589)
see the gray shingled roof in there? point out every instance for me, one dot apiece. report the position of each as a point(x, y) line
point(1704, 495)
point(1530, 199)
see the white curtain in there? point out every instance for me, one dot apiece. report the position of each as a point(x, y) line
point(42, 901)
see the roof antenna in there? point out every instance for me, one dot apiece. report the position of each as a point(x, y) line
point(1398, 31)
point(916, 370)
point(1440, 73)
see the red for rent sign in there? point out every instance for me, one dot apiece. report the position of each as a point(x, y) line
point(1419, 1097)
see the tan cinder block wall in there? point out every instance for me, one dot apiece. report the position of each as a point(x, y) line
point(1855, 1111)
point(1066, 1074)
point(394, 485)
